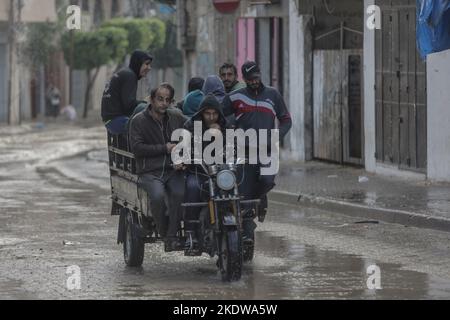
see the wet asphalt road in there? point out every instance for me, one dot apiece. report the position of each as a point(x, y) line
point(55, 214)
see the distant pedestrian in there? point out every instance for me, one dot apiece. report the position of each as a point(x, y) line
point(53, 100)
point(69, 113)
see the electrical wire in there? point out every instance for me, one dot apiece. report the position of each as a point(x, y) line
point(325, 2)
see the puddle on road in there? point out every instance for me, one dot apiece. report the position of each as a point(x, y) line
point(10, 241)
point(324, 274)
point(281, 270)
point(13, 290)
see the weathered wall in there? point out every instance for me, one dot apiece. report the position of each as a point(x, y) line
point(438, 79)
point(3, 77)
point(327, 18)
point(300, 85)
point(33, 11)
point(215, 34)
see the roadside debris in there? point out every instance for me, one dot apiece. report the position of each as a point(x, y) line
point(69, 243)
point(363, 179)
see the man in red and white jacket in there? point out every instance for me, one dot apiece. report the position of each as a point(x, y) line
point(256, 107)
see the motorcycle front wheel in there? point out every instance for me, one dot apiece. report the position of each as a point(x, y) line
point(249, 249)
point(230, 255)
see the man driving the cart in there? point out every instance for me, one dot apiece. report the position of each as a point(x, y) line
point(150, 134)
point(211, 117)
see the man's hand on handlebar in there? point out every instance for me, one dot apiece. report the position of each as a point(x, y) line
point(179, 167)
point(170, 147)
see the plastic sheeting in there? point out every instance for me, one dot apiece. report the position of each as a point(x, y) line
point(433, 26)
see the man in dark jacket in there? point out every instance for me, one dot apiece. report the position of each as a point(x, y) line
point(150, 134)
point(257, 107)
point(196, 83)
point(211, 117)
point(119, 97)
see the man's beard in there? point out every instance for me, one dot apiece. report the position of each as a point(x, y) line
point(255, 86)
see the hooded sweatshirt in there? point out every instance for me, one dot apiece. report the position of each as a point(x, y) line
point(209, 102)
point(196, 83)
point(192, 102)
point(119, 97)
point(214, 85)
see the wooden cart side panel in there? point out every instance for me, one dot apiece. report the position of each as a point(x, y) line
point(127, 192)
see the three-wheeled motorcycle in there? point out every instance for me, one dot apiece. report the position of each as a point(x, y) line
point(220, 219)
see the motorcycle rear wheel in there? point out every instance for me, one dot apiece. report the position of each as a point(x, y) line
point(133, 245)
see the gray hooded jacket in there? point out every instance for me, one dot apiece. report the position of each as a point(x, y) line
point(214, 85)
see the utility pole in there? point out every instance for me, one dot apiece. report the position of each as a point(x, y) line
point(72, 52)
point(13, 88)
point(71, 68)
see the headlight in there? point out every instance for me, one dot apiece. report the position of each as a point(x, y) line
point(226, 180)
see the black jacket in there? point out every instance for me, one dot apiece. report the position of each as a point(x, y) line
point(148, 139)
point(119, 97)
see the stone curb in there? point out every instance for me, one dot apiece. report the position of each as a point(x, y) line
point(357, 210)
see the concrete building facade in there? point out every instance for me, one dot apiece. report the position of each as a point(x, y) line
point(254, 31)
point(438, 79)
point(303, 49)
point(357, 94)
point(15, 99)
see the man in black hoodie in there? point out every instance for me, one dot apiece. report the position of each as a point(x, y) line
point(119, 97)
point(211, 117)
